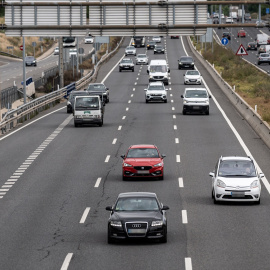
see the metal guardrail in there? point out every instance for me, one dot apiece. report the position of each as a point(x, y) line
point(32, 108)
point(10, 55)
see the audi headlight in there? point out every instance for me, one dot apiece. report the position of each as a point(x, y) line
point(254, 184)
point(116, 224)
point(221, 184)
point(156, 223)
point(127, 165)
point(158, 165)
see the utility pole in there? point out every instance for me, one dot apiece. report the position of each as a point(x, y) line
point(24, 75)
point(61, 62)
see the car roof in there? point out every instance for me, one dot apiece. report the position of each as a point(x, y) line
point(158, 62)
point(236, 158)
point(156, 83)
point(96, 83)
point(142, 146)
point(137, 194)
point(126, 59)
point(78, 92)
point(193, 89)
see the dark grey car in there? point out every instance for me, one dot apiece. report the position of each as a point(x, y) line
point(186, 62)
point(264, 58)
point(30, 61)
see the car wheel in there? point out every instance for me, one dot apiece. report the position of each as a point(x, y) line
point(161, 177)
point(259, 63)
point(212, 193)
point(133, 70)
point(215, 201)
point(179, 67)
point(100, 124)
point(146, 101)
point(184, 83)
point(207, 112)
point(164, 238)
point(124, 178)
point(109, 239)
point(120, 70)
point(76, 124)
point(258, 202)
point(165, 101)
point(184, 112)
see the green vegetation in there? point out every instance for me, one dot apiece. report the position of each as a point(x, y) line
point(250, 83)
point(2, 11)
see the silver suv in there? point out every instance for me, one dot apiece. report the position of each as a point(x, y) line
point(196, 100)
point(156, 92)
point(130, 50)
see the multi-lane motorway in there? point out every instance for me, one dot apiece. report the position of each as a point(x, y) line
point(56, 181)
point(251, 35)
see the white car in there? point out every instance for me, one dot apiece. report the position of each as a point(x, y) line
point(229, 20)
point(142, 59)
point(56, 51)
point(236, 179)
point(72, 52)
point(157, 39)
point(89, 40)
point(156, 91)
point(192, 77)
point(195, 100)
point(130, 50)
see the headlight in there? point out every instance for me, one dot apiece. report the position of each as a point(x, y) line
point(151, 76)
point(158, 165)
point(185, 101)
point(254, 184)
point(221, 184)
point(180, 63)
point(121, 65)
point(192, 63)
point(163, 50)
point(157, 223)
point(116, 224)
point(127, 165)
point(132, 65)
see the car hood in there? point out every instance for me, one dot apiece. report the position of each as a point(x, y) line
point(192, 76)
point(142, 161)
point(157, 73)
point(152, 92)
point(197, 100)
point(136, 215)
point(237, 181)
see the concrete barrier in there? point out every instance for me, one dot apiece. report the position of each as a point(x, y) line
point(254, 119)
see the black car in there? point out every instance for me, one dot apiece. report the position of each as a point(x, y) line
point(137, 215)
point(159, 49)
point(71, 99)
point(30, 61)
point(99, 89)
point(186, 62)
point(151, 45)
point(226, 35)
point(126, 64)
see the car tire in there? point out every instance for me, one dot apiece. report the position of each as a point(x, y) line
point(179, 67)
point(133, 70)
point(184, 83)
point(164, 238)
point(76, 124)
point(212, 194)
point(165, 101)
point(215, 201)
point(120, 70)
point(109, 239)
point(259, 63)
point(207, 112)
point(258, 202)
point(124, 178)
point(161, 177)
point(184, 112)
point(146, 101)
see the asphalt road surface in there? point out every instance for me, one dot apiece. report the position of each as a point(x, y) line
point(56, 183)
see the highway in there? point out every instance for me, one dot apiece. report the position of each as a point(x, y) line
point(12, 69)
point(56, 181)
point(251, 35)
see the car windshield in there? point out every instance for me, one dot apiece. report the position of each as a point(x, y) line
point(143, 153)
point(130, 48)
point(228, 168)
point(196, 94)
point(126, 61)
point(151, 43)
point(154, 69)
point(87, 103)
point(29, 58)
point(141, 56)
point(193, 72)
point(226, 34)
point(156, 87)
point(136, 204)
point(265, 55)
point(73, 95)
point(96, 87)
point(156, 37)
point(159, 47)
point(186, 59)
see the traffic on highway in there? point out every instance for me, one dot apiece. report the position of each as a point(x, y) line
point(173, 137)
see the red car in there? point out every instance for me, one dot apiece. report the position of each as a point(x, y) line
point(143, 160)
point(241, 33)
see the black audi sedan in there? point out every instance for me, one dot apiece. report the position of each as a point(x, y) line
point(137, 215)
point(186, 62)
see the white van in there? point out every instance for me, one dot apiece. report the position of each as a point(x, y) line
point(261, 39)
point(158, 70)
point(88, 110)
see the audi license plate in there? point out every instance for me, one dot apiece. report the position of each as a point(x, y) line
point(143, 172)
point(238, 194)
point(136, 230)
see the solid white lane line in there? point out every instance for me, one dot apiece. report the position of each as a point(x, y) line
point(174, 116)
point(175, 127)
point(124, 117)
point(107, 158)
point(85, 214)
point(188, 264)
point(66, 261)
point(178, 158)
point(114, 141)
point(181, 183)
point(176, 140)
point(98, 182)
point(120, 127)
point(173, 108)
point(184, 217)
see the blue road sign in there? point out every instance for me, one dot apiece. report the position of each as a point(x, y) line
point(224, 41)
point(267, 10)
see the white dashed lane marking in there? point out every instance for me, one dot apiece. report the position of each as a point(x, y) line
point(175, 127)
point(98, 182)
point(124, 117)
point(173, 108)
point(66, 261)
point(107, 158)
point(178, 158)
point(184, 217)
point(176, 140)
point(174, 116)
point(188, 264)
point(180, 181)
point(120, 127)
point(114, 141)
point(85, 214)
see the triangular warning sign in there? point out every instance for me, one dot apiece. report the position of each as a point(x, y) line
point(241, 50)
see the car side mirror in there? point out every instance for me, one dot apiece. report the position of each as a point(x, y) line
point(145, 89)
point(147, 71)
point(211, 174)
point(167, 89)
point(123, 156)
point(169, 70)
point(109, 208)
point(165, 207)
point(184, 74)
point(163, 156)
point(209, 96)
point(182, 96)
point(261, 175)
point(107, 88)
